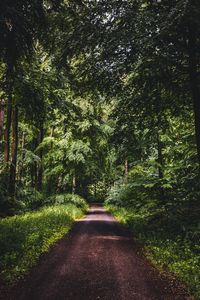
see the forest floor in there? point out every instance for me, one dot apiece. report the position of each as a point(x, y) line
point(98, 259)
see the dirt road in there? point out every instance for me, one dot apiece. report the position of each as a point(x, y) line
point(97, 260)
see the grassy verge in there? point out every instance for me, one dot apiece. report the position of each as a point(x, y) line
point(23, 238)
point(169, 246)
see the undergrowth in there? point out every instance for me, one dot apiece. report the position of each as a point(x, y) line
point(23, 238)
point(170, 236)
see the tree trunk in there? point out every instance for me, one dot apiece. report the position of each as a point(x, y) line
point(40, 167)
point(193, 73)
point(2, 108)
point(74, 184)
point(12, 179)
point(51, 135)
point(160, 167)
point(126, 170)
point(33, 166)
point(7, 130)
point(50, 181)
point(160, 157)
point(21, 171)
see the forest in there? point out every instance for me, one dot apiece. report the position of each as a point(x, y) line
point(100, 103)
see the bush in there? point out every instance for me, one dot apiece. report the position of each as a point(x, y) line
point(28, 199)
point(25, 200)
point(128, 195)
point(66, 198)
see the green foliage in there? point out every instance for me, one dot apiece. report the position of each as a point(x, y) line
point(81, 151)
point(170, 238)
point(24, 238)
point(67, 199)
point(28, 199)
point(97, 192)
point(122, 87)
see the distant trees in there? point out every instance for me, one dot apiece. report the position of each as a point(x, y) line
point(86, 86)
point(20, 26)
point(144, 55)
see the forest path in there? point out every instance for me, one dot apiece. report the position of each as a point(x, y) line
point(98, 259)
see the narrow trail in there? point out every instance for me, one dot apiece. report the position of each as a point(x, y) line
point(97, 260)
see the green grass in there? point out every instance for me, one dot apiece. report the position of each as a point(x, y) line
point(169, 241)
point(23, 238)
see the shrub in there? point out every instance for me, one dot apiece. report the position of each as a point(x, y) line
point(66, 198)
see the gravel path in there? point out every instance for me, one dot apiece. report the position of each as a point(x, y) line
point(98, 259)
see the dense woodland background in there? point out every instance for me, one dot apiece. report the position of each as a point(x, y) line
point(102, 99)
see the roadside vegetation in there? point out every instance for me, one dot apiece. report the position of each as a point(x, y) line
point(169, 236)
point(24, 237)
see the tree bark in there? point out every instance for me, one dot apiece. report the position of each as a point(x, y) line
point(160, 157)
point(126, 170)
point(40, 167)
point(7, 130)
point(160, 167)
point(33, 166)
point(74, 184)
point(12, 179)
point(21, 171)
point(159, 128)
point(193, 73)
point(50, 181)
point(2, 108)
